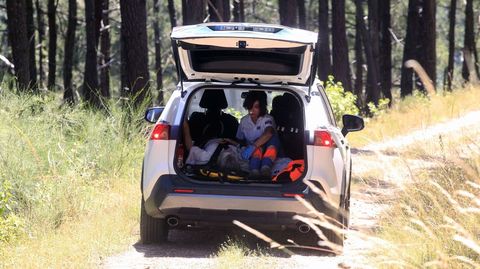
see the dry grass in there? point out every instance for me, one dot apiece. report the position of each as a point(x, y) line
point(434, 220)
point(414, 113)
point(85, 242)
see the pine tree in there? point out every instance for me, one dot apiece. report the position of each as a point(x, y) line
point(69, 52)
point(135, 75)
point(17, 32)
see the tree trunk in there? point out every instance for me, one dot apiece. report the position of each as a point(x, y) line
point(302, 22)
point(406, 86)
point(52, 44)
point(90, 79)
point(31, 39)
point(385, 71)
point(373, 58)
point(69, 51)
point(241, 7)
point(238, 11)
point(171, 13)
point(341, 68)
point(158, 51)
point(17, 32)
point(134, 39)
point(41, 34)
point(420, 42)
point(288, 12)
point(4, 46)
point(451, 46)
point(428, 56)
point(469, 46)
point(359, 62)
point(324, 58)
point(372, 91)
point(105, 51)
point(219, 10)
point(98, 20)
point(193, 11)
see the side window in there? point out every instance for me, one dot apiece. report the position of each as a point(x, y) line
point(194, 103)
point(327, 105)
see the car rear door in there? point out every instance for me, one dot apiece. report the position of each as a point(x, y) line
point(232, 52)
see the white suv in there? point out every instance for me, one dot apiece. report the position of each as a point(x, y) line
point(218, 64)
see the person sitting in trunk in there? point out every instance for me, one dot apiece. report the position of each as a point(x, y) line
point(257, 131)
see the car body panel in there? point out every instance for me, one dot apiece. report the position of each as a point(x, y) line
point(204, 30)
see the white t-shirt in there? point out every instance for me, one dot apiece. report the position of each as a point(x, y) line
point(252, 131)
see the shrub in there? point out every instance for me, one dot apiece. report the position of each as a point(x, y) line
point(382, 107)
point(342, 102)
point(10, 224)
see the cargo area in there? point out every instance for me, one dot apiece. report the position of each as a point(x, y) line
point(209, 149)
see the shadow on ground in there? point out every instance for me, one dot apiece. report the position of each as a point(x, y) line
point(207, 243)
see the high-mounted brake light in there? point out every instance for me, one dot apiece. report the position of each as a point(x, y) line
point(293, 195)
point(160, 132)
point(183, 190)
point(324, 139)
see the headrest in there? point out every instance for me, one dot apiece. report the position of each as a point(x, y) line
point(291, 101)
point(214, 99)
point(278, 103)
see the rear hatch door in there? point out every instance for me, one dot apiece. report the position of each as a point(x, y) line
point(233, 52)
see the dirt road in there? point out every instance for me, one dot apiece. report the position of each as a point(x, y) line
point(376, 174)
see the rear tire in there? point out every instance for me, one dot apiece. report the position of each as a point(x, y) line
point(152, 230)
point(341, 223)
point(343, 220)
point(334, 237)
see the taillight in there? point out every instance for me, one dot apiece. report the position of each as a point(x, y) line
point(160, 132)
point(324, 139)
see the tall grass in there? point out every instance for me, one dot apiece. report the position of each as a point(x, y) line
point(417, 112)
point(69, 178)
point(435, 220)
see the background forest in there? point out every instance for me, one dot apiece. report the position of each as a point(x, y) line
point(69, 174)
point(76, 46)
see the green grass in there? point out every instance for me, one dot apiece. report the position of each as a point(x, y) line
point(234, 254)
point(70, 181)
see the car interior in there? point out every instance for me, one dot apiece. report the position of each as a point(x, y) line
point(209, 118)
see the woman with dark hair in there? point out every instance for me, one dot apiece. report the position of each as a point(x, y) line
point(257, 131)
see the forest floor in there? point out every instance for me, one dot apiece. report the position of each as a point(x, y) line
point(379, 170)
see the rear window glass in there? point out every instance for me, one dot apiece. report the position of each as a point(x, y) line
point(246, 61)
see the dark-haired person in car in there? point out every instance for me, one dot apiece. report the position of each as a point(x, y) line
point(257, 131)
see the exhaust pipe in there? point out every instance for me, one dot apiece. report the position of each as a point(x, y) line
point(303, 228)
point(172, 221)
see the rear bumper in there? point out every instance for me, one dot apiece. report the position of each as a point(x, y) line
point(227, 202)
point(200, 210)
point(211, 204)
